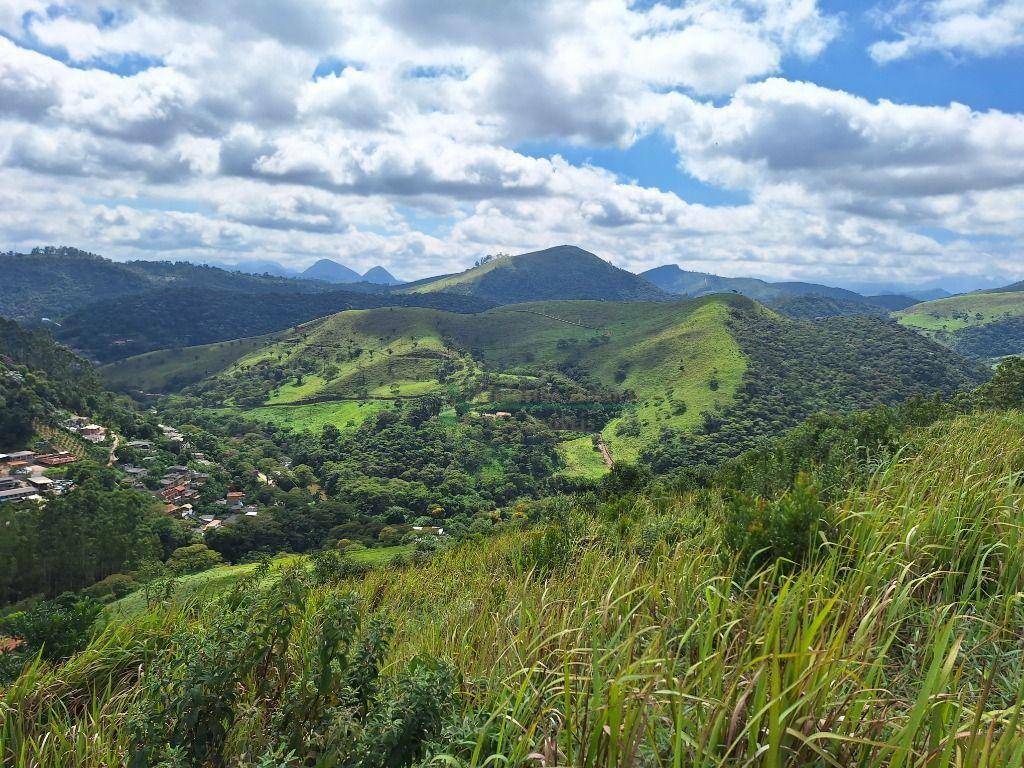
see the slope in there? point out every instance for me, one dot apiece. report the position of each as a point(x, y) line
point(562, 272)
point(172, 316)
point(982, 325)
point(672, 383)
point(631, 627)
point(53, 282)
point(331, 272)
point(674, 279)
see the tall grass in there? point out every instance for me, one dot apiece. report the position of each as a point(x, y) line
point(628, 635)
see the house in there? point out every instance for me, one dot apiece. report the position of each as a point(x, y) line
point(41, 483)
point(94, 433)
point(235, 499)
point(428, 529)
point(57, 459)
point(136, 472)
point(6, 483)
point(142, 445)
point(18, 467)
point(211, 525)
point(19, 456)
point(76, 422)
point(18, 494)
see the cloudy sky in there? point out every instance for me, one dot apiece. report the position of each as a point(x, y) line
point(846, 141)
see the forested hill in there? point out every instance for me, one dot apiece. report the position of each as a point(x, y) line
point(983, 325)
point(174, 316)
point(53, 282)
point(560, 273)
point(716, 373)
point(38, 377)
point(674, 279)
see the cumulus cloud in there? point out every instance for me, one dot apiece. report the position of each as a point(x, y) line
point(391, 132)
point(961, 27)
point(882, 158)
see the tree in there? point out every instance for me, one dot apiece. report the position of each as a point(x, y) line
point(193, 559)
point(1006, 388)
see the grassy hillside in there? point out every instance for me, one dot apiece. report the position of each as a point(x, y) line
point(563, 272)
point(670, 383)
point(668, 362)
point(169, 369)
point(981, 325)
point(627, 633)
point(172, 316)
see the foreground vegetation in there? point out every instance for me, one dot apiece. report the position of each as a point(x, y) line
point(848, 595)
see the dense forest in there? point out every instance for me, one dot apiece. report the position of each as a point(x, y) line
point(797, 368)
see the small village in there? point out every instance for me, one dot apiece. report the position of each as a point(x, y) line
point(182, 490)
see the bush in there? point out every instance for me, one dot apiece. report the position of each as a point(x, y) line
point(1006, 388)
point(59, 627)
point(762, 532)
point(193, 559)
point(115, 586)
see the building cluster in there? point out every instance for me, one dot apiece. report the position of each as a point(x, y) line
point(22, 478)
point(85, 429)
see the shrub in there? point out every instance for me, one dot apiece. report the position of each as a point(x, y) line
point(760, 531)
point(115, 586)
point(59, 627)
point(193, 559)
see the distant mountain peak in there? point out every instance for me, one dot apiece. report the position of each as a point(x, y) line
point(380, 276)
point(560, 272)
point(331, 271)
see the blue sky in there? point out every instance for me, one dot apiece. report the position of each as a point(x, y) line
point(877, 143)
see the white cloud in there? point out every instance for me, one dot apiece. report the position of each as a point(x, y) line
point(959, 27)
point(198, 129)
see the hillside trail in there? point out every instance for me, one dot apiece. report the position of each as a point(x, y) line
point(606, 454)
point(113, 447)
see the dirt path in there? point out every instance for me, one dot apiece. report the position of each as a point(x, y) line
point(113, 447)
point(606, 454)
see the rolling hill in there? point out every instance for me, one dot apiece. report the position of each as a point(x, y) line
point(673, 279)
point(54, 282)
point(721, 370)
point(559, 273)
point(171, 316)
point(984, 325)
point(796, 299)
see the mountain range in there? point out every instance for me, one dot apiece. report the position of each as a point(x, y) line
point(327, 270)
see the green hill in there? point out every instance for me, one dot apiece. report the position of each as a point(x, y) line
point(563, 272)
point(53, 282)
point(174, 317)
point(674, 279)
point(982, 325)
point(721, 370)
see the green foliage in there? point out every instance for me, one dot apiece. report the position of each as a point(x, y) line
point(193, 559)
point(233, 691)
point(796, 369)
point(55, 628)
point(1006, 388)
point(75, 540)
point(761, 531)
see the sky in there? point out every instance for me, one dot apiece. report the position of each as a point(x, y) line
point(850, 142)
